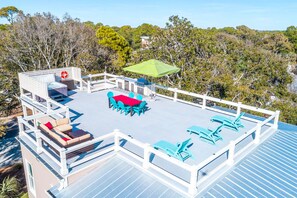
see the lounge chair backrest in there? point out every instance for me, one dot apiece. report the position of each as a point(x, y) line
point(218, 129)
point(238, 118)
point(139, 97)
point(131, 95)
point(183, 146)
point(110, 94)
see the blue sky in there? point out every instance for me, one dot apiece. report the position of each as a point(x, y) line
point(256, 14)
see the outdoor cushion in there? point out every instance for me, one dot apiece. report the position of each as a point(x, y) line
point(62, 121)
point(49, 125)
point(65, 139)
point(63, 128)
point(85, 137)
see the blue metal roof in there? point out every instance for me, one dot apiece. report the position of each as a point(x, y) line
point(116, 178)
point(270, 171)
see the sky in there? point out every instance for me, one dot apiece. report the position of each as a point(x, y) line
point(256, 14)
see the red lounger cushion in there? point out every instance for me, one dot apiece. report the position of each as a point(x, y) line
point(65, 139)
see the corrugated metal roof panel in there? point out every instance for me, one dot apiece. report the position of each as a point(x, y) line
point(270, 171)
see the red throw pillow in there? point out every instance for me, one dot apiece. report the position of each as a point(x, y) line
point(49, 125)
point(65, 139)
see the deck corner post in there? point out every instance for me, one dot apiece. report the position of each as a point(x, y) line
point(64, 166)
point(146, 156)
point(48, 105)
point(204, 101)
point(238, 109)
point(231, 153)
point(193, 182)
point(276, 118)
point(116, 140)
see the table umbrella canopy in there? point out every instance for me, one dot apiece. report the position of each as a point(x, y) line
point(152, 68)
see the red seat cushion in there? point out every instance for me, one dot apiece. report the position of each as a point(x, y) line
point(65, 139)
point(49, 125)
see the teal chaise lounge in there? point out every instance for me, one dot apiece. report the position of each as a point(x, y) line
point(211, 136)
point(179, 151)
point(229, 123)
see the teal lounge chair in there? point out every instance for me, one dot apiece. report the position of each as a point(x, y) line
point(141, 108)
point(113, 103)
point(122, 108)
point(229, 123)
point(179, 151)
point(211, 136)
point(131, 95)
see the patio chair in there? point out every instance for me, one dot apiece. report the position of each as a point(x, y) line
point(113, 103)
point(229, 123)
point(141, 108)
point(131, 95)
point(122, 108)
point(180, 151)
point(210, 136)
point(139, 97)
point(109, 95)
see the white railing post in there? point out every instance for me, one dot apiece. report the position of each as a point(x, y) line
point(238, 108)
point(67, 112)
point(38, 141)
point(204, 101)
point(175, 95)
point(276, 118)
point(105, 80)
point(257, 134)
point(21, 126)
point(24, 110)
point(116, 140)
point(231, 152)
point(48, 106)
point(89, 86)
point(193, 182)
point(64, 166)
point(81, 84)
point(146, 156)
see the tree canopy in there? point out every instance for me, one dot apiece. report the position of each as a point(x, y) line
point(237, 64)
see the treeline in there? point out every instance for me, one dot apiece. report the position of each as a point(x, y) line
point(237, 64)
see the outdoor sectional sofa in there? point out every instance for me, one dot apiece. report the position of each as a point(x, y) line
point(60, 133)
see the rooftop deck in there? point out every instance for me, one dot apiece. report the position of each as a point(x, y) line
point(132, 137)
point(166, 120)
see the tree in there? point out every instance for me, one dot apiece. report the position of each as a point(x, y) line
point(9, 187)
point(9, 13)
point(291, 33)
point(116, 43)
point(2, 129)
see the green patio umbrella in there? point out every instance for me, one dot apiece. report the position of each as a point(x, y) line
point(152, 68)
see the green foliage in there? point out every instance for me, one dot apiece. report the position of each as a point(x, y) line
point(9, 13)
point(116, 43)
point(291, 33)
point(9, 187)
point(237, 64)
point(2, 129)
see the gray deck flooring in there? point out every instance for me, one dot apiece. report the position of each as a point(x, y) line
point(116, 178)
point(166, 120)
point(270, 171)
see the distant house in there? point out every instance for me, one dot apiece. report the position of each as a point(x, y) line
point(145, 42)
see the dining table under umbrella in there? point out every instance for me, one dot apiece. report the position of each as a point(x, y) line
point(153, 68)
